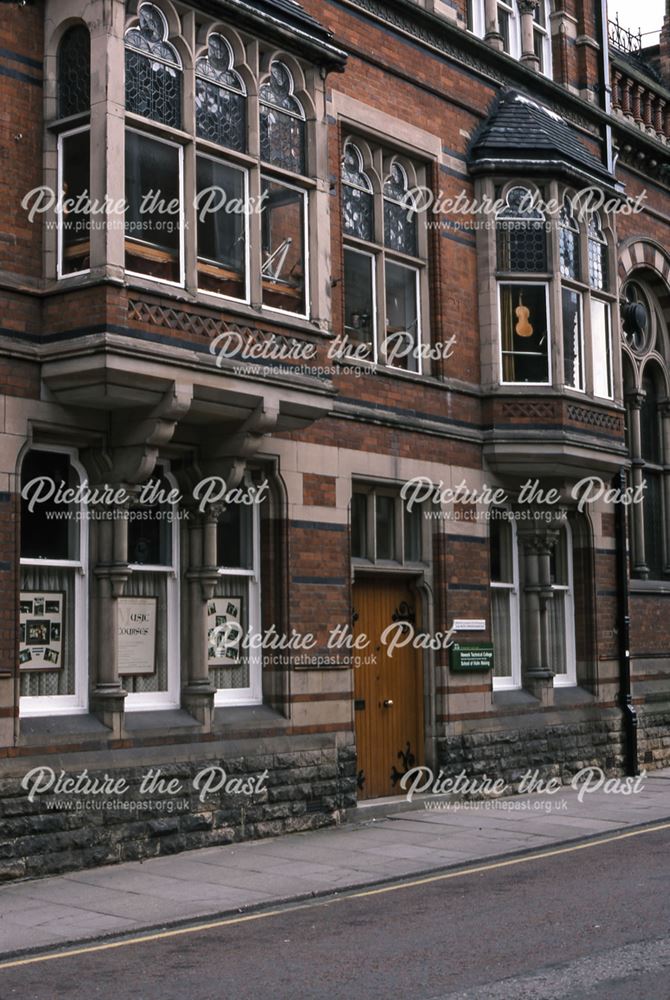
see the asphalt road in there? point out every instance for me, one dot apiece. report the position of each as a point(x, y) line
point(585, 924)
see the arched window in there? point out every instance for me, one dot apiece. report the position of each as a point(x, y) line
point(53, 598)
point(399, 219)
point(74, 72)
point(74, 153)
point(652, 456)
point(153, 69)
point(282, 121)
point(524, 310)
point(220, 97)
point(357, 197)
point(569, 241)
point(598, 269)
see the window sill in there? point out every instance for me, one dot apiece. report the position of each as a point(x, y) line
point(172, 720)
point(568, 695)
point(37, 729)
point(251, 717)
point(514, 697)
point(649, 586)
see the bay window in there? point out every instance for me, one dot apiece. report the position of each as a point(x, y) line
point(384, 257)
point(220, 97)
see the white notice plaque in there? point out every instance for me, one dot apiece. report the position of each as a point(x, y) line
point(137, 635)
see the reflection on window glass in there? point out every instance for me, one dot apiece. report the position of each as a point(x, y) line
point(359, 526)
point(50, 530)
point(385, 527)
point(221, 231)
point(502, 566)
point(235, 538)
point(150, 531)
point(359, 301)
point(402, 317)
point(601, 344)
point(523, 324)
point(153, 196)
point(412, 522)
point(573, 345)
point(75, 222)
point(284, 265)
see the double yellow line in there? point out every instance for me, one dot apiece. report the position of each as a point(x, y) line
point(344, 896)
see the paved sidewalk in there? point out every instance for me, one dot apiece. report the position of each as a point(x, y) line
point(126, 898)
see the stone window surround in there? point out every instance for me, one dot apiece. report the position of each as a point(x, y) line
point(490, 278)
point(188, 34)
point(637, 363)
point(376, 489)
point(485, 24)
point(367, 124)
point(377, 162)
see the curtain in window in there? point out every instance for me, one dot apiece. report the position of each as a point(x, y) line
point(556, 622)
point(235, 675)
point(61, 681)
point(151, 585)
point(501, 627)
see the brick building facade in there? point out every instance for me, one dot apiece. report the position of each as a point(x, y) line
point(403, 308)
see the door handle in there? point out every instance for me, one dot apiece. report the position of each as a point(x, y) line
point(388, 703)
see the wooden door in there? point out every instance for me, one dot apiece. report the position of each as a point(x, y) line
point(388, 690)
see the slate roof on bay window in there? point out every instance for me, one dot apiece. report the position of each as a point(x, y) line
point(521, 133)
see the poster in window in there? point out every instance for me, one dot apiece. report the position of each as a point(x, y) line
point(223, 638)
point(41, 615)
point(136, 652)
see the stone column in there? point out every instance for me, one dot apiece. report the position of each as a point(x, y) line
point(527, 10)
point(537, 542)
point(111, 573)
point(492, 34)
point(640, 568)
point(201, 580)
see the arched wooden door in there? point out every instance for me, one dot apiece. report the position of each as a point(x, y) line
point(388, 689)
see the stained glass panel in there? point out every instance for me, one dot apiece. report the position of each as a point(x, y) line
point(74, 72)
point(153, 70)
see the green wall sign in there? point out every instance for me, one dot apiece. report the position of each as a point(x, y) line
point(469, 657)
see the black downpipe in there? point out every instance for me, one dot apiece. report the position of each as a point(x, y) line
point(625, 698)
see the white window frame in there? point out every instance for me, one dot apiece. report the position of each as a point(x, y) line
point(143, 701)
point(389, 259)
point(59, 206)
point(182, 262)
point(513, 682)
point(253, 694)
point(595, 360)
point(31, 706)
point(348, 248)
point(270, 178)
point(521, 281)
point(582, 332)
point(479, 29)
point(247, 233)
point(569, 677)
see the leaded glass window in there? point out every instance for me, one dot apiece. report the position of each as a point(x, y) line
point(357, 198)
point(220, 97)
point(74, 72)
point(521, 231)
point(400, 229)
point(153, 69)
point(598, 269)
point(282, 121)
point(569, 242)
